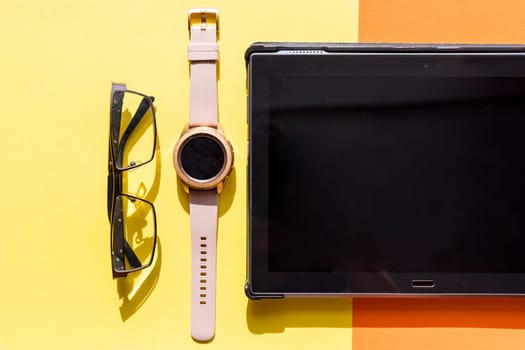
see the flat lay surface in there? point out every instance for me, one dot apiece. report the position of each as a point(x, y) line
point(59, 59)
point(457, 323)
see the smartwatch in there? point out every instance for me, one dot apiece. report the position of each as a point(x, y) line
point(203, 158)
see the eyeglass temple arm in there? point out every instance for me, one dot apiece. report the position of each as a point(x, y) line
point(121, 247)
point(132, 257)
point(114, 179)
point(139, 114)
point(117, 245)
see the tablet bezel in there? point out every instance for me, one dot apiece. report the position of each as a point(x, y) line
point(264, 284)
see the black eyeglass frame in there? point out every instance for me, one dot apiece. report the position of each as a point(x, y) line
point(120, 248)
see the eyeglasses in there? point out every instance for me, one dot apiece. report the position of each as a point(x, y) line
point(132, 144)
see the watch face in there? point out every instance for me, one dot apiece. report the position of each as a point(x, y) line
point(202, 157)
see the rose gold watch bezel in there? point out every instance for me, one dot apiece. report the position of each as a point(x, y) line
point(214, 133)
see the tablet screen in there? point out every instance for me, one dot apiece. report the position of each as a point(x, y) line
point(389, 165)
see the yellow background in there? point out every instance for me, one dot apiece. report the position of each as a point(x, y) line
point(57, 64)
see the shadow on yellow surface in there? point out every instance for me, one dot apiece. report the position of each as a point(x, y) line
point(137, 287)
point(274, 316)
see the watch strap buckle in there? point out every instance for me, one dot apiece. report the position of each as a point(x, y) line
point(203, 17)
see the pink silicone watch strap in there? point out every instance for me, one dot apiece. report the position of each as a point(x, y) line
point(203, 54)
point(203, 220)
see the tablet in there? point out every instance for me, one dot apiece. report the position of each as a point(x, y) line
point(385, 170)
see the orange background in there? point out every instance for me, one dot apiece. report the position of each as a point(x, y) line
point(452, 21)
point(440, 323)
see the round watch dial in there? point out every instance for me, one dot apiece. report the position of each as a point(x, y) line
point(202, 157)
